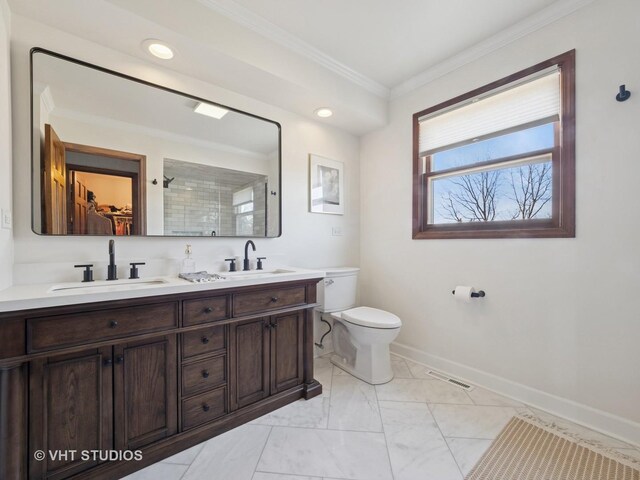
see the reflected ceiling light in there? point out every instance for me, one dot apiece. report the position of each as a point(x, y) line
point(210, 110)
point(324, 112)
point(158, 49)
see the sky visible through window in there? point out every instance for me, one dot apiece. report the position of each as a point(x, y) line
point(506, 193)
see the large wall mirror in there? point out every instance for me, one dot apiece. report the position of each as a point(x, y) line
point(113, 155)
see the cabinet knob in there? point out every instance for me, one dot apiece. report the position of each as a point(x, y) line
point(119, 359)
point(108, 361)
point(204, 340)
point(113, 324)
point(205, 407)
point(274, 325)
point(267, 325)
point(208, 310)
point(274, 299)
point(205, 374)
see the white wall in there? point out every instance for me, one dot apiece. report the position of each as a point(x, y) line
point(6, 240)
point(562, 316)
point(306, 240)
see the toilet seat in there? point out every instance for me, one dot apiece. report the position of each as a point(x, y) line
point(371, 318)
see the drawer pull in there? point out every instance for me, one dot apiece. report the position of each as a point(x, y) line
point(108, 361)
point(208, 310)
point(204, 340)
point(274, 299)
point(205, 373)
point(205, 407)
point(113, 324)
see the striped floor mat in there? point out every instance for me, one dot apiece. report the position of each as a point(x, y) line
point(524, 451)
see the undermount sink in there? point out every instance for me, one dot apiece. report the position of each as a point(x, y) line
point(254, 274)
point(104, 286)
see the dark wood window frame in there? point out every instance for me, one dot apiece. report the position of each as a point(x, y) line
point(562, 223)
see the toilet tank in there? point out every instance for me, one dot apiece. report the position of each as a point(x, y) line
point(338, 290)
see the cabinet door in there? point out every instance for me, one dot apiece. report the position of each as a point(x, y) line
point(146, 390)
point(287, 351)
point(70, 410)
point(249, 360)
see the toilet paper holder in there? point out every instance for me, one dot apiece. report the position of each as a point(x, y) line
point(478, 294)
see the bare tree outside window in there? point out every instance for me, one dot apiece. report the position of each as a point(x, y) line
point(474, 199)
point(515, 193)
point(531, 188)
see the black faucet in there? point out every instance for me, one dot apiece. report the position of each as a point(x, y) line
point(246, 254)
point(112, 269)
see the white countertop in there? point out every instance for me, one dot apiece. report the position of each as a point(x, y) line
point(43, 295)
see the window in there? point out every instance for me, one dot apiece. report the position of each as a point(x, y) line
point(499, 161)
point(243, 210)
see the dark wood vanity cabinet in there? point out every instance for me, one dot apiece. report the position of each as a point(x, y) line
point(145, 392)
point(250, 353)
point(70, 410)
point(120, 397)
point(286, 351)
point(267, 357)
point(155, 375)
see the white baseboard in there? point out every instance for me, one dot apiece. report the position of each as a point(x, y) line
point(607, 423)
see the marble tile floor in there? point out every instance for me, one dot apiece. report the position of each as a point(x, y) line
point(413, 427)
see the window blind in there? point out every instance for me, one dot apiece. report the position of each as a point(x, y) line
point(243, 196)
point(534, 100)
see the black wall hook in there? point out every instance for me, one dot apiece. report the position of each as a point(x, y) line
point(155, 181)
point(624, 94)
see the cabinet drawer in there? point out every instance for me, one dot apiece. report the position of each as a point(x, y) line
point(204, 408)
point(206, 340)
point(247, 303)
point(204, 375)
point(48, 333)
point(204, 310)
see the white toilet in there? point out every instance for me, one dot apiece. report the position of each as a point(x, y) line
point(361, 335)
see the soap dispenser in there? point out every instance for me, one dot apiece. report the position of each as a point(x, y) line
point(188, 264)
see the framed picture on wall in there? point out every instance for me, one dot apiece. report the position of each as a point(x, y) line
point(326, 185)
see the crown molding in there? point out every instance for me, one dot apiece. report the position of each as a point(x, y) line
point(529, 25)
point(260, 25)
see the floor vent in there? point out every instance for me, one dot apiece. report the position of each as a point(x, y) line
point(452, 381)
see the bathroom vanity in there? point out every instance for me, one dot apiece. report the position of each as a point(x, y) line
point(160, 370)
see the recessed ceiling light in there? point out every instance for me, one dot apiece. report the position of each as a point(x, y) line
point(158, 49)
point(324, 112)
point(210, 110)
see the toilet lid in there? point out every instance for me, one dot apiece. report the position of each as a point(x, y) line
point(371, 317)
